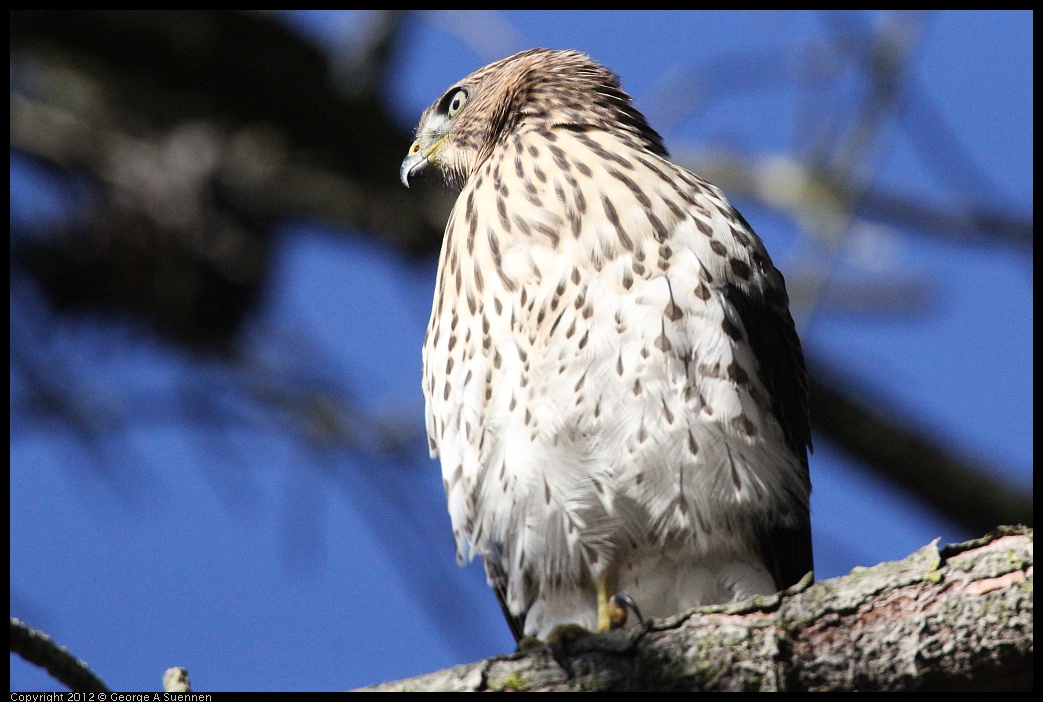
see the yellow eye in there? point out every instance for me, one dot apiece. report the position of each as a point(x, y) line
point(456, 102)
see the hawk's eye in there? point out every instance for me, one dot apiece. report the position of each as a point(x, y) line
point(456, 102)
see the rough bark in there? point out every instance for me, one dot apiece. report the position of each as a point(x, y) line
point(952, 618)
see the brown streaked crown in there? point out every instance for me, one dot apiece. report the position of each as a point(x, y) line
point(538, 89)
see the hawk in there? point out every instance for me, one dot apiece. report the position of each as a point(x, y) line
point(613, 380)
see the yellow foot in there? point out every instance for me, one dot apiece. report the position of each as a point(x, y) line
point(619, 604)
point(613, 605)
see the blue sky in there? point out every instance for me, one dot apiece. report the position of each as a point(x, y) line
point(261, 563)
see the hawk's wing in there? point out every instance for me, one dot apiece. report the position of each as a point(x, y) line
point(773, 339)
point(498, 580)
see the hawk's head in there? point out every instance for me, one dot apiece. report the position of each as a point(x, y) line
point(538, 89)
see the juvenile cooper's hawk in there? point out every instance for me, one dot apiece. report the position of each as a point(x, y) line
point(613, 379)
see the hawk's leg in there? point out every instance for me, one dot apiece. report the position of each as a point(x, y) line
point(612, 614)
point(613, 606)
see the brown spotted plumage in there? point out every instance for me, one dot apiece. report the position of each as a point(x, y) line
point(614, 383)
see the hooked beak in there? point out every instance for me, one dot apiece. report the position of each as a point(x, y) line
point(418, 160)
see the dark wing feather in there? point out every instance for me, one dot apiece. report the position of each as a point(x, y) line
point(497, 578)
point(785, 544)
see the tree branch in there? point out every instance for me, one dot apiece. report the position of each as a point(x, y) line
point(40, 649)
point(959, 617)
point(971, 492)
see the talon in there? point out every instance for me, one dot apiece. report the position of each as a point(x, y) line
point(612, 609)
point(621, 602)
point(617, 611)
